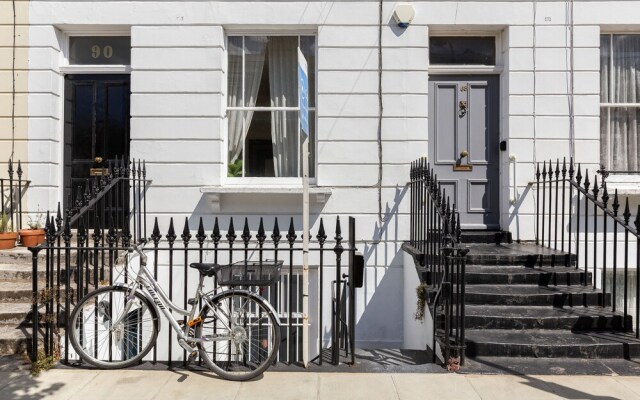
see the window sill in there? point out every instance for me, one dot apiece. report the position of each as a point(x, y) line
point(217, 193)
point(626, 184)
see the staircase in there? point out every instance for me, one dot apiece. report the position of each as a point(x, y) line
point(522, 301)
point(15, 300)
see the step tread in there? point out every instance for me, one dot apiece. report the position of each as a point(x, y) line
point(529, 290)
point(548, 337)
point(11, 286)
point(13, 333)
point(521, 312)
point(519, 269)
point(15, 308)
point(510, 249)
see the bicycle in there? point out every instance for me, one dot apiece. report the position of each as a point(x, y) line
point(235, 331)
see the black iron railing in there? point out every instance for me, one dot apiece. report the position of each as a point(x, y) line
point(107, 212)
point(82, 250)
point(435, 239)
point(12, 190)
point(584, 221)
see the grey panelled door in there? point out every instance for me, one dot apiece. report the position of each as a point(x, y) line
point(464, 145)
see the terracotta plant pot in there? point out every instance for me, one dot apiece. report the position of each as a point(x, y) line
point(31, 237)
point(8, 240)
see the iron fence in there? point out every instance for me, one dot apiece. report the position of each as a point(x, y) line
point(12, 190)
point(435, 243)
point(82, 252)
point(586, 224)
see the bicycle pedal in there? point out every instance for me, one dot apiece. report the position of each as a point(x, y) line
point(181, 322)
point(192, 357)
point(191, 301)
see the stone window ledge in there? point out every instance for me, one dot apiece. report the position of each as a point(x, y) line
point(217, 193)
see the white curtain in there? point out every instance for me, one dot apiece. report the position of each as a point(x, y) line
point(283, 86)
point(620, 83)
point(254, 48)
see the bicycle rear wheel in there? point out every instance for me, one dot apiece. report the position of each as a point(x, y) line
point(242, 335)
point(97, 336)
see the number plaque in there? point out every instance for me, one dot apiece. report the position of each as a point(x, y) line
point(100, 50)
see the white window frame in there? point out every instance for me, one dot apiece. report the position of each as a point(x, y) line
point(269, 181)
point(453, 69)
point(67, 68)
point(633, 175)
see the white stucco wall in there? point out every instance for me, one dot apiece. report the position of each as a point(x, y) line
point(178, 123)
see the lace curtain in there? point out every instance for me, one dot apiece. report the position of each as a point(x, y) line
point(620, 83)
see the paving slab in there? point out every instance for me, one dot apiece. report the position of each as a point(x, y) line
point(501, 387)
point(281, 386)
point(440, 386)
point(196, 385)
point(632, 383)
point(356, 387)
point(584, 387)
point(123, 384)
point(49, 385)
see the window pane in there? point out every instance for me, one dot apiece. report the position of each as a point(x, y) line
point(236, 133)
point(234, 82)
point(605, 54)
point(256, 89)
point(283, 71)
point(271, 144)
point(462, 50)
point(619, 138)
point(626, 61)
point(308, 49)
point(100, 50)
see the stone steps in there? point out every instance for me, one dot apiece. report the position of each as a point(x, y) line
point(14, 340)
point(515, 254)
point(513, 275)
point(527, 317)
point(550, 344)
point(534, 295)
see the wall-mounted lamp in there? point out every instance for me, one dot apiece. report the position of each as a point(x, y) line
point(403, 14)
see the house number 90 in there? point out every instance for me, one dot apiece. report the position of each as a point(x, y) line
point(106, 51)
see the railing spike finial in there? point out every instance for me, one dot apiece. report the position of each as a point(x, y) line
point(155, 233)
point(544, 170)
point(616, 203)
point(51, 233)
point(186, 232)
point(59, 218)
point(537, 171)
point(275, 235)
point(201, 236)
point(261, 236)
point(321, 236)
point(171, 233)
point(97, 232)
point(627, 212)
point(215, 235)
point(19, 170)
point(338, 236)
point(10, 169)
point(112, 236)
point(291, 234)
point(246, 233)
point(605, 194)
point(139, 170)
point(81, 235)
point(571, 170)
point(66, 231)
point(231, 233)
point(586, 180)
point(579, 175)
point(557, 168)
point(595, 189)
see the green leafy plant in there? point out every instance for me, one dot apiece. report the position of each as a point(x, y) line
point(235, 169)
point(43, 363)
point(5, 225)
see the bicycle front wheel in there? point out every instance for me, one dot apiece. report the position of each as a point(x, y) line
point(241, 335)
point(110, 329)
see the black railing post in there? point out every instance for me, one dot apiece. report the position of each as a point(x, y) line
point(35, 320)
point(615, 206)
point(627, 216)
point(605, 201)
point(338, 249)
point(352, 289)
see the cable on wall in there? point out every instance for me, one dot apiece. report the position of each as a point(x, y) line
point(535, 135)
point(571, 81)
point(13, 85)
point(380, 113)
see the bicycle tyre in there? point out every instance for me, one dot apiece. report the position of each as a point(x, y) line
point(250, 370)
point(84, 305)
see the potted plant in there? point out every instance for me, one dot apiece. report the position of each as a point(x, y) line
point(7, 237)
point(35, 234)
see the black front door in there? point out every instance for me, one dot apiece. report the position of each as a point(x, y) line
point(96, 127)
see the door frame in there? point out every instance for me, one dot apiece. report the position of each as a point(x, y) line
point(65, 68)
point(458, 73)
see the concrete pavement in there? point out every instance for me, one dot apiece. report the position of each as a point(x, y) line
point(142, 385)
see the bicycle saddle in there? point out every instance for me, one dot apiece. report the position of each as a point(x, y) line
point(206, 269)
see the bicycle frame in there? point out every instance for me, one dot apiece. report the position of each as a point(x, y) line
point(151, 289)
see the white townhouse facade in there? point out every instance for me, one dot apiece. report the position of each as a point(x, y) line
point(206, 93)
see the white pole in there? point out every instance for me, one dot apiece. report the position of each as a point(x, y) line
point(305, 251)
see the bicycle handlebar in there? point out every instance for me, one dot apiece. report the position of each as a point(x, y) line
point(143, 257)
